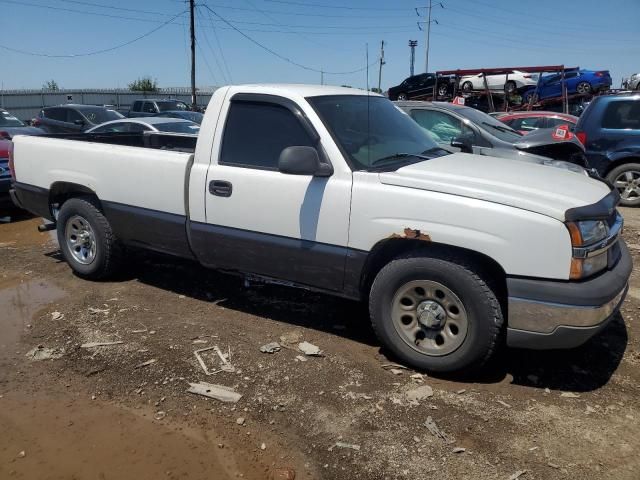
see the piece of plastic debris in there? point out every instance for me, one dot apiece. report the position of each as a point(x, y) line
point(435, 430)
point(569, 395)
point(351, 446)
point(300, 358)
point(240, 421)
point(22, 454)
point(393, 365)
point(271, 347)
point(199, 341)
point(100, 344)
point(419, 393)
point(160, 415)
point(226, 365)
point(417, 376)
point(263, 446)
point(148, 362)
point(459, 450)
point(395, 371)
point(94, 311)
point(42, 353)
point(310, 349)
point(57, 316)
point(218, 392)
point(461, 391)
point(518, 474)
point(504, 404)
point(284, 474)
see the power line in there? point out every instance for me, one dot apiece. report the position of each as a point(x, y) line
point(282, 57)
point(280, 12)
point(214, 54)
point(111, 7)
point(224, 60)
point(95, 52)
point(324, 5)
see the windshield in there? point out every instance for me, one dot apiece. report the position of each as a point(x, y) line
point(372, 132)
point(100, 115)
point(178, 127)
point(193, 116)
point(8, 120)
point(491, 125)
point(168, 105)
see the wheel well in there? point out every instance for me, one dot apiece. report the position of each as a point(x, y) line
point(619, 162)
point(60, 192)
point(387, 250)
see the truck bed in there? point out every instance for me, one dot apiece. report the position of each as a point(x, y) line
point(177, 142)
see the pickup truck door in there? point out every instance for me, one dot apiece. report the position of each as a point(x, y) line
point(261, 221)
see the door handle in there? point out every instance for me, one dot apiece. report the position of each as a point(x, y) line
point(220, 188)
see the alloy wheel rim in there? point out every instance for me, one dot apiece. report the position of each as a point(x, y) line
point(628, 184)
point(80, 239)
point(429, 317)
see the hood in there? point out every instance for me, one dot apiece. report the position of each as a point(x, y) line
point(530, 186)
point(558, 143)
point(13, 131)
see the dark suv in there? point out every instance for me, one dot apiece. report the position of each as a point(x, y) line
point(151, 107)
point(610, 131)
point(420, 86)
point(73, 118)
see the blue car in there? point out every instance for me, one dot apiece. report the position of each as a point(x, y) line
point(577, 81)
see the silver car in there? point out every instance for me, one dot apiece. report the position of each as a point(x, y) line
point(147, 124)
point(633, 82)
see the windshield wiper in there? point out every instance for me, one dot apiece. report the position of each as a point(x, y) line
point(397, 156)
point(500, 128)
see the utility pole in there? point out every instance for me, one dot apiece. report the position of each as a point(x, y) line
point(194, 99)
point(428, 30)
point(382, 62)
point(321, 77)
point(412, 45)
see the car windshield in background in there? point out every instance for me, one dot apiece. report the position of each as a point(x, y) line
point(491, 125)
point(8, 120)
point(168, 105)
point(100, 115)
point(178, 127)
point(193, 116)
point(373, 132)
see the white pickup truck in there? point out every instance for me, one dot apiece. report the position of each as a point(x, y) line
point(334, 189)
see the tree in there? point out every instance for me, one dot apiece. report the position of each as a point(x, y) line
point(144, 84)
point(51, 85)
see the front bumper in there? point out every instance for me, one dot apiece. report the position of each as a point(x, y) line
point(546, 314)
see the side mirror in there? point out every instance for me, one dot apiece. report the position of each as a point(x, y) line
point(300, 160)
point(78, 122)
point(462, 142)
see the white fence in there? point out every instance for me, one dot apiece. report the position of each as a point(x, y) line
point(25, 104)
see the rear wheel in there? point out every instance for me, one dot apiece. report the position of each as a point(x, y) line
point(87, 242)
point(467, 87)
point(583, 87)
point(442, 90)
point(402, 96)
point(626, 179)
point(435, 314)
point(510, 87)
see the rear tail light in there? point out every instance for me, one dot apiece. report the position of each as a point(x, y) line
point(11, 164)
point(582, 136)
point(601, 74)
point(35, 122)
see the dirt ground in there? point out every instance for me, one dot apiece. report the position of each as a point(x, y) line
point(122, 411)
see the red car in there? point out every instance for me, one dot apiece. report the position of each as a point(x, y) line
point(5, 174)
point(526, 122)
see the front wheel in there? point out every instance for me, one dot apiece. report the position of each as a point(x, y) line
point(435, 314)
point(467, 87)
point(442, 90)
point(510, 87)
point(402, 96)
point(626, 179)
point(87, 242)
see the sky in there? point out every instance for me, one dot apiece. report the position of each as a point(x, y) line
point(250, 41)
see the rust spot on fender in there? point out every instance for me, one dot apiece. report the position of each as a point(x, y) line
point(413, 234)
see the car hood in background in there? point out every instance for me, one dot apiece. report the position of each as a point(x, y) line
point(547, 142)
point(13, 131)
point(529, 186)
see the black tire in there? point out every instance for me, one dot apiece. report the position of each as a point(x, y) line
point(629, 197)
point(530, 97)
point(402, 96)
point(510, 87)
point(584, 87)
point(467, 87)
point(107, 250)
point(485, 321)
point(443, 90)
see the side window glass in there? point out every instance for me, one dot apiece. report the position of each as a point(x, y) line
point(554, 122)
point(149, 107)
point(256, 133)
point(56, 114)
point(137, 106)
point(136, 127)
point(442, 126)
point(73, 115)
point(622, 116)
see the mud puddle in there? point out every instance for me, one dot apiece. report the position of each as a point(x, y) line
point(60, 436)
point(18, 304)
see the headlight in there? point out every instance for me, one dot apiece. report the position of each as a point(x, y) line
point(587, 261)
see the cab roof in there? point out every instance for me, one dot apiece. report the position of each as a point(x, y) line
point(302, 90)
